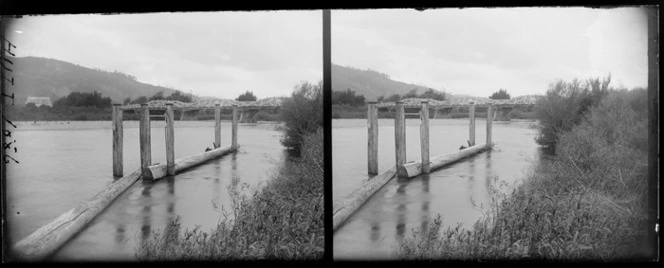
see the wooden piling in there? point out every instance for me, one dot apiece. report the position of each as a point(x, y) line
point(117, 140)
point(471, 111)
point(372, 146)
point(217, 126)
point(144, 133)
point(424, 136)
point(234, 127)
point(400, 134)
point(170, 140)
point(489, 122)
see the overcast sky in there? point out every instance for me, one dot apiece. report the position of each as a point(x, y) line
point(478, 51)
point(220, 54)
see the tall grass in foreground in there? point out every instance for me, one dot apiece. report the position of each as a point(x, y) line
point(283, 220)
point(589, 202)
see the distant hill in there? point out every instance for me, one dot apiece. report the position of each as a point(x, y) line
point(369, 83)
point(42, 77)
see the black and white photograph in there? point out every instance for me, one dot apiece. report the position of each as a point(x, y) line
point(269, 136)
point(163, 136)
point(490, 133)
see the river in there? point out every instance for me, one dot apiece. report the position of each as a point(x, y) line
point(459, 192)
point(64, 163)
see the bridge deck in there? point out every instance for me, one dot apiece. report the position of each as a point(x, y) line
point(523, 101)
point(224, 104)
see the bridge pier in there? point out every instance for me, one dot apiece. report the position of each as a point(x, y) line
point(502, 114)
point(424, 135)
point(471, 112)
point(145, 144)
point(489, 123)
point(234, 127)
point(372, 148)
point(248, 116)
point(217, 126)
point(170, 140)
point(117, 140)
point(400, 134)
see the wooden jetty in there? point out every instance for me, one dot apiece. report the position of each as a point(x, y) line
point(344, 208)
point(49, 238)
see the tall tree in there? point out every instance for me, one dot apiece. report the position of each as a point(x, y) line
point(247, 96)
point(500, 95)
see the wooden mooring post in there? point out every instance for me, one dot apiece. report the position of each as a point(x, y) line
point(400, 134)
point(372, 147)
point(117, 140)
point(145, 145)
point(217, 126)
point(170, 140)
point(489, 123)
point(234, 127)
point(471, 136)
point(424, 136)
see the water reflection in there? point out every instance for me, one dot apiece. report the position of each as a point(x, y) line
point(147, 208)
point(425, 203)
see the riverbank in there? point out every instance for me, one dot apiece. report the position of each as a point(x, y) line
point(588, 202)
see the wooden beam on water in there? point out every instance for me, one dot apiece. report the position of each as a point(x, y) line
point(117, 140)
point(343, 209)
point(217, 126)
point(471, 136)
point(170, 140)
point(400, 134)
point(145, 143)
point(372, 137)
point(159, 171)
point(424, 136)
point(413, 169)
point(46, 240)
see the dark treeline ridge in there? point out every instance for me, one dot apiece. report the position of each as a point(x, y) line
point(587, 201)
point(81, 106)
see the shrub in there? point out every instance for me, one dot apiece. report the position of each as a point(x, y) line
point(588, 202)
point(302, 114)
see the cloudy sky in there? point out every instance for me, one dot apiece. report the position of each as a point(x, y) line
point(478, 51)
point(220, 54)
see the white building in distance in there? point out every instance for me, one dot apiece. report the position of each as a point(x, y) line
point(39, 101)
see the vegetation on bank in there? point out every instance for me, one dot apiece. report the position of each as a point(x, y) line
point(302, 114)
point(282, 220)
point(588, 202)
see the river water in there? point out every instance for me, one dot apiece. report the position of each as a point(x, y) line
point(459, 192)
point(64, 163)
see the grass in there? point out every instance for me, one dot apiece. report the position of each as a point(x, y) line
point(283, 220)
point(588, 202)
